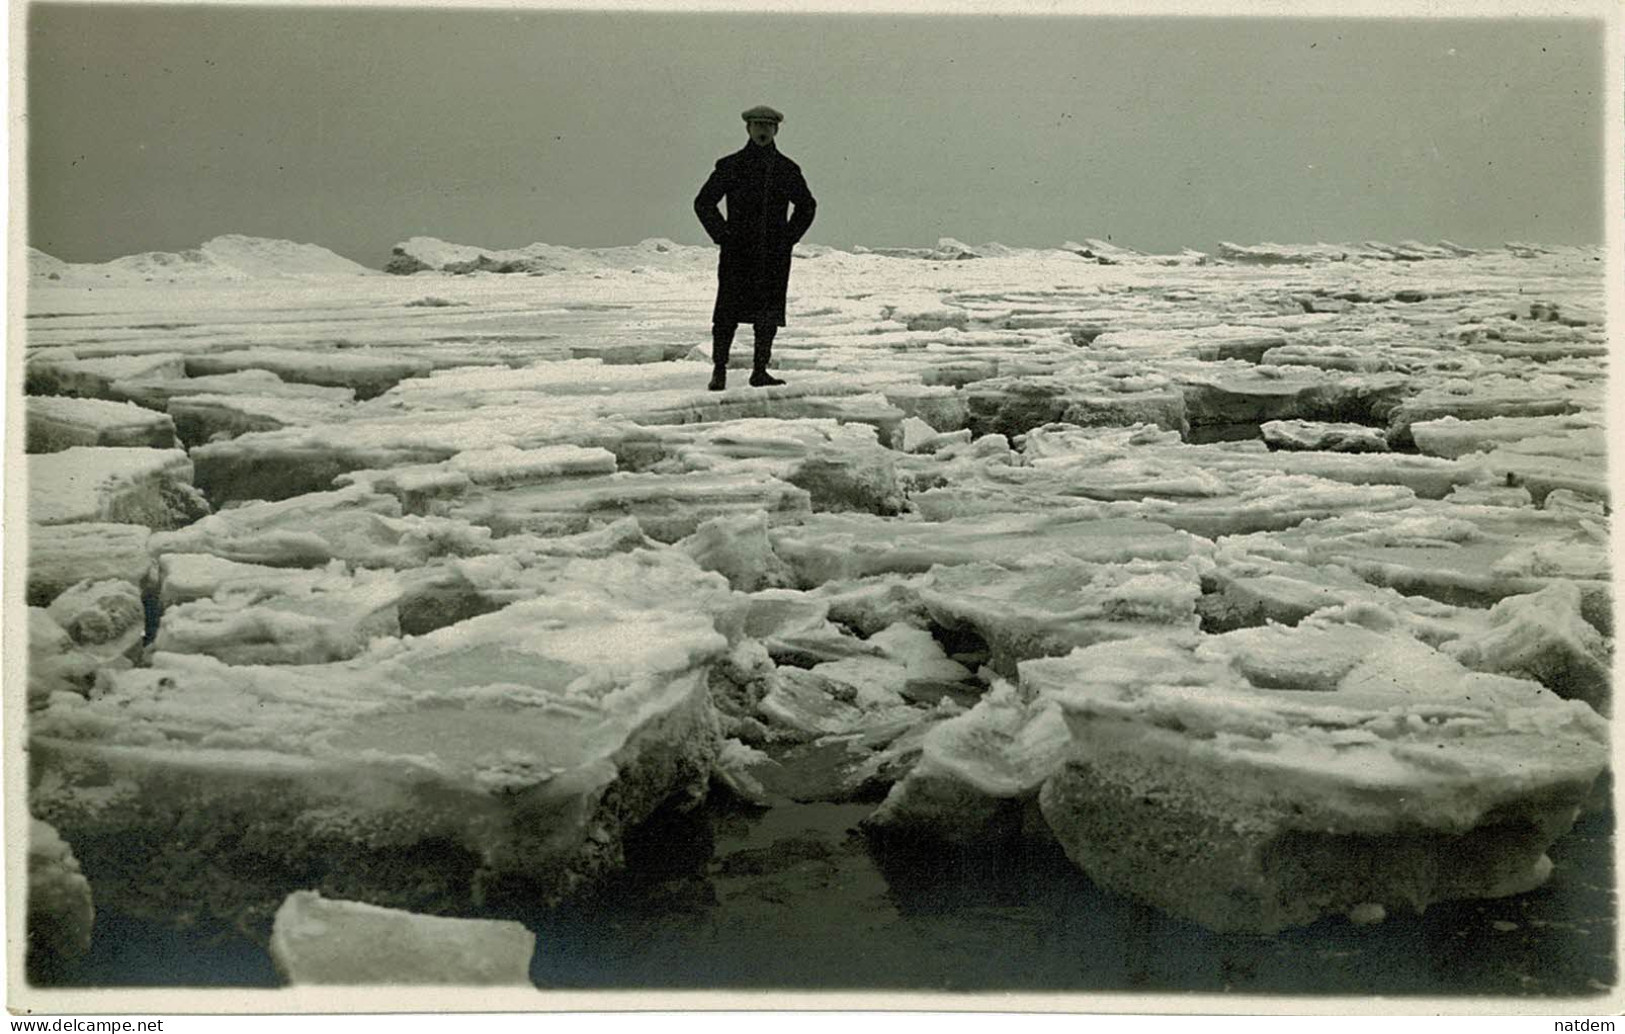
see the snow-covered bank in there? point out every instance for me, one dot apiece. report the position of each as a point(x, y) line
point(228, 257)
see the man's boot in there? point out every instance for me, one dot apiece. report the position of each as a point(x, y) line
point(759, 377)
point(722, 339)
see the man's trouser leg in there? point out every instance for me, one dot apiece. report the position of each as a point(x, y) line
point(759, 376)
point(722, 339)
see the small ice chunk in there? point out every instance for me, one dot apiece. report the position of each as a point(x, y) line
point(1543, 636)
point(920, 652)
point(315, 940)
point(99, 612)
point(1323, 437)
point(736, 547)
point(60, 910)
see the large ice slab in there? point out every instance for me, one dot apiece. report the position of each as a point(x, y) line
point(1366, 357)
point(508, 753)
point(1270, 254)
point(736, 546)
point(1235, 392)
point(60, 372)
point(835, 547)
point(1571, 461)
point(1541, 453)
point(91, 629)
point(64, 554)
point(428, 488)
point(286, 462)
point(185, 577)
point(841, 466)
point(1268, 777)
point(156, 392)
point(668, 507)
point(1210, 343)
point(60, 422)
point(352, 524)
point(330, 619)
point(1207, 490)
point(1453, 438)
point(88, 484)
point(775, 444)
point(1547, 334)
point(1488, 396)
point(203, 418)
point(1128, 463)
point(366, 372)
point(1242, 589)
point(1115, 396)
point(1457, 553)
point(1200, 502)
point(1060, 602)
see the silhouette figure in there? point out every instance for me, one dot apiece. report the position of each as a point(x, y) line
point(760, 184)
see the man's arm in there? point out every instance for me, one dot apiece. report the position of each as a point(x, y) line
point(705, 205)
point(806, 208)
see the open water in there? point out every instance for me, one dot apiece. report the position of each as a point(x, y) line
point(791, 897)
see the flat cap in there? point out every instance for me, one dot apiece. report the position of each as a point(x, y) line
point(761, 113)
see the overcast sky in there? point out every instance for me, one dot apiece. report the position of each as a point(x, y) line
point(156, 128)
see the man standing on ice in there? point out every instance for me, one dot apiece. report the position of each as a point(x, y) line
point(756, 237)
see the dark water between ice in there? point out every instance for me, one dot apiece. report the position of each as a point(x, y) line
point(787, 898)
point(791, 901)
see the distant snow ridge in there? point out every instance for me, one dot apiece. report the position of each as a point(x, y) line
point(950, 249)
point(41, 264)
point(430, 253)
point(229, 257)
point(1269, 253)
point(947, 250)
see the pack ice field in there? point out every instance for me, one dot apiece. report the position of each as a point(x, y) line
point(1069, 619)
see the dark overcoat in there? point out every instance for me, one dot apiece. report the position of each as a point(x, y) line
point(760, 185)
